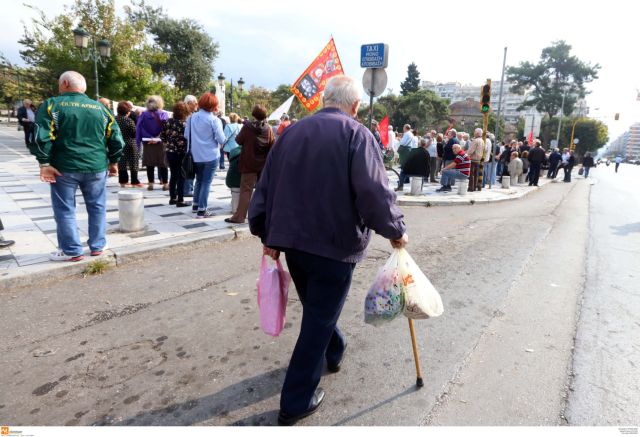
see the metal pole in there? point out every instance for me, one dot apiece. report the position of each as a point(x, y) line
point(95, 67)
point(373, 76)
point(493, 146)
point(560, 121)
point(231, 98)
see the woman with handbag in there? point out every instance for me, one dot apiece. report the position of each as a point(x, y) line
point(231, 130)
point(173, 137)
point(204, 135)
point(148, 130)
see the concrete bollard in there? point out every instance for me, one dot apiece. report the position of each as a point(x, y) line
point(463, 187)
point(235, 199)
point(416, 186)
point(131, 211)
point(506, 182)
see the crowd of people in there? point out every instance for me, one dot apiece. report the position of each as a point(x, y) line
point(454, 155)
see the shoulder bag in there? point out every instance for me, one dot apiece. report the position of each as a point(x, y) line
point(188, 169)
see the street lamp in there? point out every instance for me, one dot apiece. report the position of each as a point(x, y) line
point(101, 51)
point(220, 93)
point(240, 89)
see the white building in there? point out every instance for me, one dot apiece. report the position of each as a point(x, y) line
point(627, 144)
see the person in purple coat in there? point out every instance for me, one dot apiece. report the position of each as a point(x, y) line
point(322, 191)
point(148, 128)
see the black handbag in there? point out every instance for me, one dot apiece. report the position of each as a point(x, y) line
point(188, 169)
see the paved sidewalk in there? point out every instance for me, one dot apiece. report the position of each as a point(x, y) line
point(25, 209)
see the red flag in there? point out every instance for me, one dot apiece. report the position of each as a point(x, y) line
point(312, 82)
point(383, 127)
point(530, 139)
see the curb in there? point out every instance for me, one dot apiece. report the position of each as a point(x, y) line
point(423, 200)
point(35, 275)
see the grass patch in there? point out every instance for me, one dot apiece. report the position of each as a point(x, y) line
point(96, 267)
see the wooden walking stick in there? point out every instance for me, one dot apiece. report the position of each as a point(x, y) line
point(416, 357)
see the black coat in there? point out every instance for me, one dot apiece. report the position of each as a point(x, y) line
point(537, 155)
point(22, 113)
point(588, 162)
point(554, 158)
point(417, 163)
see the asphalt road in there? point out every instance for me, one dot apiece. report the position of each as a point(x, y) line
point(175, 340)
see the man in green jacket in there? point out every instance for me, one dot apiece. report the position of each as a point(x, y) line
point(77, 142)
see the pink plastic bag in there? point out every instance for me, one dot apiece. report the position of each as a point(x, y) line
point(273, 290)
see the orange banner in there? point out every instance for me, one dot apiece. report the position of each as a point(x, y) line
point(312, 82)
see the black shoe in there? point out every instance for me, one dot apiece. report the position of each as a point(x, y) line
point(335, 367)
point(400, 188)
point(285, 419)
point(183, 204)
point(173, 201)
point(6, 243)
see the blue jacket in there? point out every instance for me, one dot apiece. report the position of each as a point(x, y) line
point(323, 189)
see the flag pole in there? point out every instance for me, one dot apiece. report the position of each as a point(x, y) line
point(416, 357)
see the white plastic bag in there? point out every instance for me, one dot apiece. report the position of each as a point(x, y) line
point(421, 300)
point(385, 300)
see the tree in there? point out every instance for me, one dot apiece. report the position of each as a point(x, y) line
point(422, 108)
point(49, 48)
point(557, 72)
point(255, 95)
point(190, 51)
point(15, 84)
point(412, 83)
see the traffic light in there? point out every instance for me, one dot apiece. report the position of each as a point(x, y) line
point(485, 97)
point(617, 116)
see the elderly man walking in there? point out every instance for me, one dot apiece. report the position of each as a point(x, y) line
point(26, 118)
point(77, 143)
point(322, 191)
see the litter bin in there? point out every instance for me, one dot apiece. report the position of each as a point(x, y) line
point(416, 185)
point(131, 211)
point(463, 186)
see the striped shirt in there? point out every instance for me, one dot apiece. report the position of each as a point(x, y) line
point(463, 163)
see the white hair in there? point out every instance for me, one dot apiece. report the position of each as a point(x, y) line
point(154, 103)
point(342, 92)
point(75, 80)
point(478, 131)
point(190, 99)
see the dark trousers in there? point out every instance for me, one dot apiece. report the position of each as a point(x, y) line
point(534, 173)
point(221, 159)
point(28, 132)
point(163, 174)
point(433, 163)
point(567, 173)
point(473, 176)
point(617, 165)
point(322, 286)
point(553, 170)
point(176, 181)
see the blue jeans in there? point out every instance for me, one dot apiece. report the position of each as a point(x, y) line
point(63, 200)
point(204, 175)
point(450, 175)
point(586, 172)
point(487, 171)
point(188, 187)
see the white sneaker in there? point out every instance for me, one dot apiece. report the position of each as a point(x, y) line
point(59, 255)
point(99, 251)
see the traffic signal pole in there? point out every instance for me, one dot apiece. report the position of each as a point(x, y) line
point(485, 106)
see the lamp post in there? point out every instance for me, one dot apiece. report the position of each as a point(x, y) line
point(220, 93)
point(101, 52)
point(240, 89)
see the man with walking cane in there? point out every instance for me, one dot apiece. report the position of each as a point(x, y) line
point(322, 191)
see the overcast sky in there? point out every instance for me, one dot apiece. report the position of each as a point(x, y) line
point(269, 43)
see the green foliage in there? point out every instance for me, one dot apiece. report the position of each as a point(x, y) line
point(49, 48)
point(556, 72)
point(412, 83)
point(96, 267)
point(492, 124)
point(592, 134)
point(15, 83)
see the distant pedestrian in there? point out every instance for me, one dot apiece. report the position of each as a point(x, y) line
point(376, 134)
point(525, 167)
point(26, 119)
point(587, 164)
point(322, 191)
point(107, 103)
point(191, 102)
point(554, 164)
point(475, 151)
point(536, 158)
point(176, 145)
point(489, 170)
point(459, 168)
point(466, 142)
point(417, 164)
point(284, 123)
point(432, 148)
point(78, 143)
point(439, 153)
point(256, 139)
point(150, 125)
point(204, 135)
point(4, 243)
point(567, 165)
point(231, 131)
point(130, 159)
point(515, 168)
point(618, 161)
